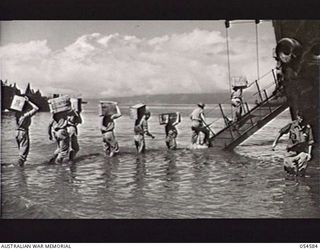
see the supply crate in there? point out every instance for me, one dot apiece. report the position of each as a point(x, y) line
point(59, 104)
point(137, 111)
point(165, 118)
point(18, 103)
point(107, 108)
point(240, 82)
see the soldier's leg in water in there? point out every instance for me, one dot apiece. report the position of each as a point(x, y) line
point(206, 133)
point(290, 164)
point(64, 144)
point(55, 154)
point(302, 163)
point(23, 145)
point(173, 143)
point(106, 145)
point(112, 143)
point(74, 145)
point(194, 135)
point(168, 141)
point(142, 145)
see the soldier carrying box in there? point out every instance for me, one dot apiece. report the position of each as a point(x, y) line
point(109, 111)
point(141, 127)
point(57, 129)
point(170, 120)
point(23, 122)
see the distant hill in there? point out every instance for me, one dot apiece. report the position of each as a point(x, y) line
point(209, 98)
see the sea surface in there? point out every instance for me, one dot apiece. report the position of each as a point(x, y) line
point(205, 183)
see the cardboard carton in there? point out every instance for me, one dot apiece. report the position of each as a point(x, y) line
point(165, 118)
point(240, 82)
point(107, 108)
point(18, 103)
point(137, 111)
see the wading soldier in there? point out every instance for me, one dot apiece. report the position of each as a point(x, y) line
point(23, 121)
point(74, 119)
point(110, 143)
point(299, 145)
point(141, 129)
point(171, 134)
point(198, 125)
point(58, 129)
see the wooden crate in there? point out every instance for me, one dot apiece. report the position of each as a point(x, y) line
point(59, 104)
point(18, 103)
point(239, 81)
point(165, 118)
point(137, 111)
point(107, 108)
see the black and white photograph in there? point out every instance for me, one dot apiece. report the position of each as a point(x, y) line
point(160, 119)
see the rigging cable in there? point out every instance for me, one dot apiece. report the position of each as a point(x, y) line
point(257, 47)
point(227, 24)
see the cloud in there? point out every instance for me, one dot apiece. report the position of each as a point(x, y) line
point(97, 65)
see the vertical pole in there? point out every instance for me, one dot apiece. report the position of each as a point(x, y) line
point(259, 90)
point(257, 49)
point(266, 95)
point(227, 24)
point(228, 55)
point(224, 118)
point(249, 114)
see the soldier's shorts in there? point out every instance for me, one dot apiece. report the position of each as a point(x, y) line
point(110, 143)
point(63, 141)
point(74, 145)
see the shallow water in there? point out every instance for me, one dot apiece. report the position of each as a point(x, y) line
point(207, 183)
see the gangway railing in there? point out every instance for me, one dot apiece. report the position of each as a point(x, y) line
point(266, 107)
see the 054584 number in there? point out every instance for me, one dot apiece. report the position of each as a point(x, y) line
point(310, 245)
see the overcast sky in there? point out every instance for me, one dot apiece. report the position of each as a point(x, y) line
point(123, 58)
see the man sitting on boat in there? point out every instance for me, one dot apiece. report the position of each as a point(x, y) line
point(199, 126)
point(299, 146)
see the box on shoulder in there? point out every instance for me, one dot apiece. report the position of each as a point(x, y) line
point(240, 82)
point(18, 103)
point(166, 118)
point(137, 111)
point(76, 104)
point(59, 104)
point(107, 108)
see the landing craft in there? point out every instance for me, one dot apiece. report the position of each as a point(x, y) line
point(295, 84)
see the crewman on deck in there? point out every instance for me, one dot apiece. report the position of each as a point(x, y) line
point(141, 129)
point(23, 122)
point(236, 102)
point(58, 129)
point(299, 146)
point(199, 125)
point(74, 119)
point(171, 134)
point(110, 144)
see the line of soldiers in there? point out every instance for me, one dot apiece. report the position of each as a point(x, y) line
point(63, 128)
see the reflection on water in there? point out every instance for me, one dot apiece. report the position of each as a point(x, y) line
point(248, 183)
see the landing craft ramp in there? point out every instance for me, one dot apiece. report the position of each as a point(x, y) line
point(265, 109)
